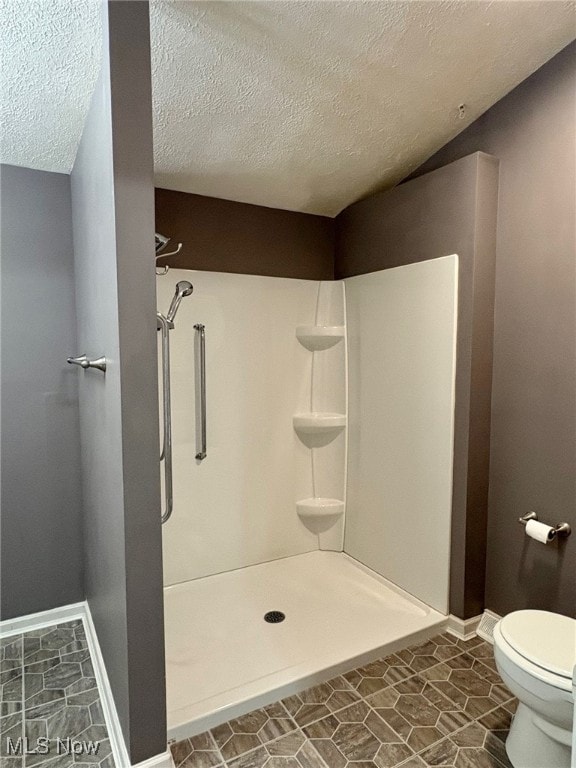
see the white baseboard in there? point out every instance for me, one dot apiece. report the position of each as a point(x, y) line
point(82, 611)
point(43, 619)
point(106, 698)
point(160, 761)
point(464, 629)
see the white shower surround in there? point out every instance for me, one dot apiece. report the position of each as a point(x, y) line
point(238, 506)
point(236, 510)
point(402, 347)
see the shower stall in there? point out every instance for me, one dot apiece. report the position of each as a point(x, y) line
point(310, 446)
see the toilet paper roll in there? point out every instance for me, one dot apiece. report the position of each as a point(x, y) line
point(539, 531)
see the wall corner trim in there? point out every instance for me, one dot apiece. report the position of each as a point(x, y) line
point(82, 611)
point(464, 629)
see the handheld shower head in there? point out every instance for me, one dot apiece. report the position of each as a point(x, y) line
point(183, 288)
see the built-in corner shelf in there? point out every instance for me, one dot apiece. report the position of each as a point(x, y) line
point(318, 337)
point(318, 422)
point(319, 508)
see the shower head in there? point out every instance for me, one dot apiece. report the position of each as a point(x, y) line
point(183, 288)
point(160, 242)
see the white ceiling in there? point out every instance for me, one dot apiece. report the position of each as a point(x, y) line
point(300, 105)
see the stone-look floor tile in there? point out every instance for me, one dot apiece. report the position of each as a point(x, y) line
point(10, 735)
point(426, 699)
point(390, 755)
point(87, 669)
point(497, 720)
point(452, 693)
point(442, 753)
point(355, 741)
point(497, 748)
point(308, 713)
point(69, 722)
point(329, 752)
point(282, 762)
point(395, 720)
point(449, 722)
point(321, 729)
point(413, 762)
point(370, 685)
point(475, 758)
point(57, 639)
point(286, 745)
point(11, 647)
point(12, 690)
point(11, 762)
point(275, 727)
point(356, 713)
point(42, 702)
point(423, 736)
point(62, 675)
point(437, 698)
point(319, 694)
point(9, 708)
point(473, 735)
point(417, 710)
point(201, 760)
point(108, 762)
point(239, 743)
point(381, 729)
point(250, 723)
point(45, 704)
point(308, 757)
point(463, 661)
point(470, 682)
point(256, 759)
point(414, 684)
point(384, 699)
point(437, 672)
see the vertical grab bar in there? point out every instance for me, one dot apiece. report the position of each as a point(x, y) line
point(164, 327)
point(201, 411)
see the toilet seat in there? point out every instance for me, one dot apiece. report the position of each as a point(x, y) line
point(545, 639)
point(542, 648)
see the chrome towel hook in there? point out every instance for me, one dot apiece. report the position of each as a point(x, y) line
point(84, 362)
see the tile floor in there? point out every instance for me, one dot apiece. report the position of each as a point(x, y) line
point(48, 690)
point(441, 703)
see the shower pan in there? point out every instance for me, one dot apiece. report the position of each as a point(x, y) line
point(269, 524)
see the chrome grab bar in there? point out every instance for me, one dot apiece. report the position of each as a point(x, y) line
point(163, 325)
point(201, 399)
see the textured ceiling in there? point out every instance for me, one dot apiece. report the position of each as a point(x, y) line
point(50, 53)
point(300, 105)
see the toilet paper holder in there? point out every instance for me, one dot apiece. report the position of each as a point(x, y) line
point(563, 530)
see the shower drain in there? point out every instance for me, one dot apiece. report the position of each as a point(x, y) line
point(274, 617)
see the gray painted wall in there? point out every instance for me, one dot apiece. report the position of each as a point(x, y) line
point(452, 210)
point(41, 523)
point(533, 444)
point(113, 222)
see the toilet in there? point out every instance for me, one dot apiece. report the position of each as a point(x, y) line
point(535, 653)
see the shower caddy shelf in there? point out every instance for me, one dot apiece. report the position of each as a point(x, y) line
point(319, 337)
point(319, 508)
point(317, 422)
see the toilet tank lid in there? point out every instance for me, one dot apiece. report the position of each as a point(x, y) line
point(546, 639)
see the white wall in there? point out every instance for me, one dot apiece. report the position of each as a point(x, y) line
point(237, 507)
point(401, 337)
